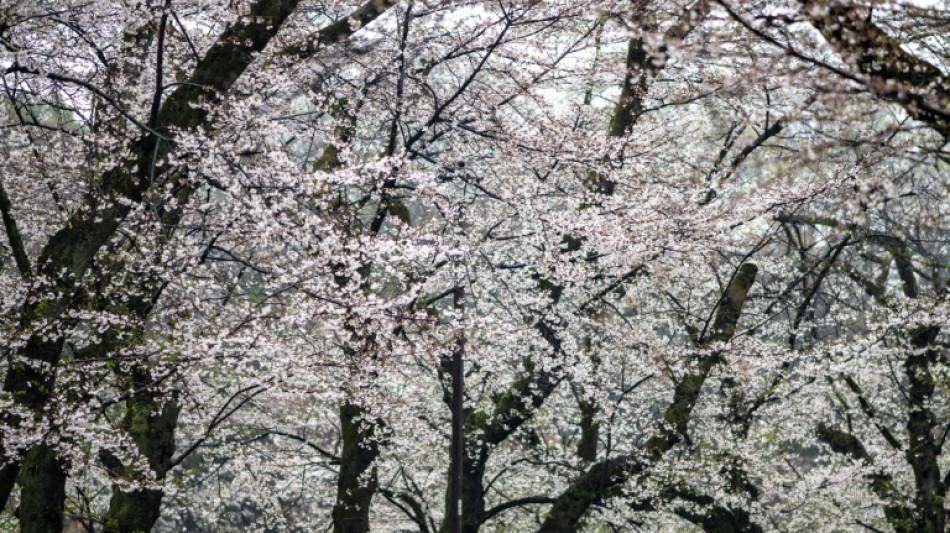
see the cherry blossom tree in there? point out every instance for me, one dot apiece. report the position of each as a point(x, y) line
point(473, 265)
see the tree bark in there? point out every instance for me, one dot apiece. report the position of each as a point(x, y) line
point(590, 431)
point(927, 513)
point(723, 520)
point(924, 449)
point(8, 475)
point(41, 507)
point(484, 431)
point(357, 482)
point(453, 512)
point(151, 424)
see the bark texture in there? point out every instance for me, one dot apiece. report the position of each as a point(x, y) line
point(357, 482)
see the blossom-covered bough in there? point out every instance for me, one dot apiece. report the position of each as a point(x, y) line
point(64, 260)
point(686, 262)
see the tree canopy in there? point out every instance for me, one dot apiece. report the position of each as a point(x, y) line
point(474, 265)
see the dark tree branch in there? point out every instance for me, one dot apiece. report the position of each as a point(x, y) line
point(13, 235)
point(342, 29)
point(604, 478)
point(518, 502)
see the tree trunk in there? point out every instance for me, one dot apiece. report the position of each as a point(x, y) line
point(8, 475)
point(72, 248)
point(472, 483)
point(357, 481)
point(473, 490)
point(590, 431)
point(41, 507)
point(30, 384)
point(923, 452)
point(152, 428)
point(723, 520)
point(133, 512)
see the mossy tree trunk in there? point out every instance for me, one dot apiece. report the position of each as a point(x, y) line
point(41, 507)
point(150, 419)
